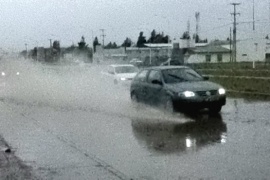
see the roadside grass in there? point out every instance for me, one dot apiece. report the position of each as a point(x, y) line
point(252, 85)
point(237, 66)
point(236, 72)
point(240, 79)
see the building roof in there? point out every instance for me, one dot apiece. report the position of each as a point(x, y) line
point(118, 55)
point(122, 65)
point(158, 45)
point(208, 49)
point(219, 42)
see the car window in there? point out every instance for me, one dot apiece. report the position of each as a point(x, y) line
point(180, 75)
point(154, 75)
point(141, 76)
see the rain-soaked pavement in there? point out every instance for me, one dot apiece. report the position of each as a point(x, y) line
point(72, 128)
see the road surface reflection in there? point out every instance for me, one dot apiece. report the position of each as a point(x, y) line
point(172, 137)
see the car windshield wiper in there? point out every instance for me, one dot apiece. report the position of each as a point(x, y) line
point(177, 77)
point(194, 76)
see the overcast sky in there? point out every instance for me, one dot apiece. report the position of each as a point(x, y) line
point(36, 21)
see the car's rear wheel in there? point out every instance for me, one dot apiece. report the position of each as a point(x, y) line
point(215, 109)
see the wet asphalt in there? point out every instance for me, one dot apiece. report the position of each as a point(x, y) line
point(119, 141)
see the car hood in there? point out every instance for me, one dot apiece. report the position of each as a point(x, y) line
point(193, 86)
point(126, 75)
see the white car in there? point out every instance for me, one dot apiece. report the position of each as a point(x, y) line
point(8, 75)
point(136, 62)
point(121, 73)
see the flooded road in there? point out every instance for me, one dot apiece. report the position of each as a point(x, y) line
point(86, 130)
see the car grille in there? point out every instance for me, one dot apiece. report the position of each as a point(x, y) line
point(129, 78)
point(207, 93)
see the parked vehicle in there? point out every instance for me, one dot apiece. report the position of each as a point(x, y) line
point(121, 73)
point(136, 62)
point(177, 88)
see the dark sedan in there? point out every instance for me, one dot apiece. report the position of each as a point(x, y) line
point(177, 88)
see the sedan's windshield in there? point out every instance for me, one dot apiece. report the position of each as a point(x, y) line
point(180, 75)
point(125, 69)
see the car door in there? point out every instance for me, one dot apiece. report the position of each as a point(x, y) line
point(154, 89)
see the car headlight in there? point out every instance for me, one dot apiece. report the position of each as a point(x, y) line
point(221, 91)
point(123, 79)
point(3, 73)
point(187, 94)
point(18, 73)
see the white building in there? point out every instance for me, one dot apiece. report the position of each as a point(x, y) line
point(207, 53)
point(253, 49)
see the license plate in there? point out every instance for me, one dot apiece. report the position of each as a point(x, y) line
point(210, 99)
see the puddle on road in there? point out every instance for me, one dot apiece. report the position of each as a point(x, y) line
point(173, 137)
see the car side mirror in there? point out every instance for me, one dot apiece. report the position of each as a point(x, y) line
point(157, 82)
point(206, 78)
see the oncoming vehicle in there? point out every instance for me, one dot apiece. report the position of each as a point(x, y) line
point(122, 73)
point(177, 88)
point(5, 75)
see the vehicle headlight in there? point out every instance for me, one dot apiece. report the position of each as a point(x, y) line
point(187, 94)
point(221, 91)
point(18, 73)
point(3, 73)
point(123, 79)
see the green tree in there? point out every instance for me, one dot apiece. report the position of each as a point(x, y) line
point(114, 45)
point(84, 51)
point(82, 44)
point(158, 38)
point(185, 35)
point(95, 43)
point(127, 43)
point(56, 45)
point(108, 46)
point(153, 37)
point(111, 45)
point(141, 40)
point(198, 39)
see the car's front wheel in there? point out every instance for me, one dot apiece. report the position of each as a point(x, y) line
point(168, 106)
point(215, 109)
point(134, 99)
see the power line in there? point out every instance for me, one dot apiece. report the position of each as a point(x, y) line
point(253, 17)
point(217, 27)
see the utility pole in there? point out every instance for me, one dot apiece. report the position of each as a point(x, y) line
point(50, 45)
point(269, 10)
point(230, 44)
point(253, 17)
point(234, 30)
point(169, 50)
point(188, 30)
point(103, 36)
point(197, 16)
point(92, 38)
